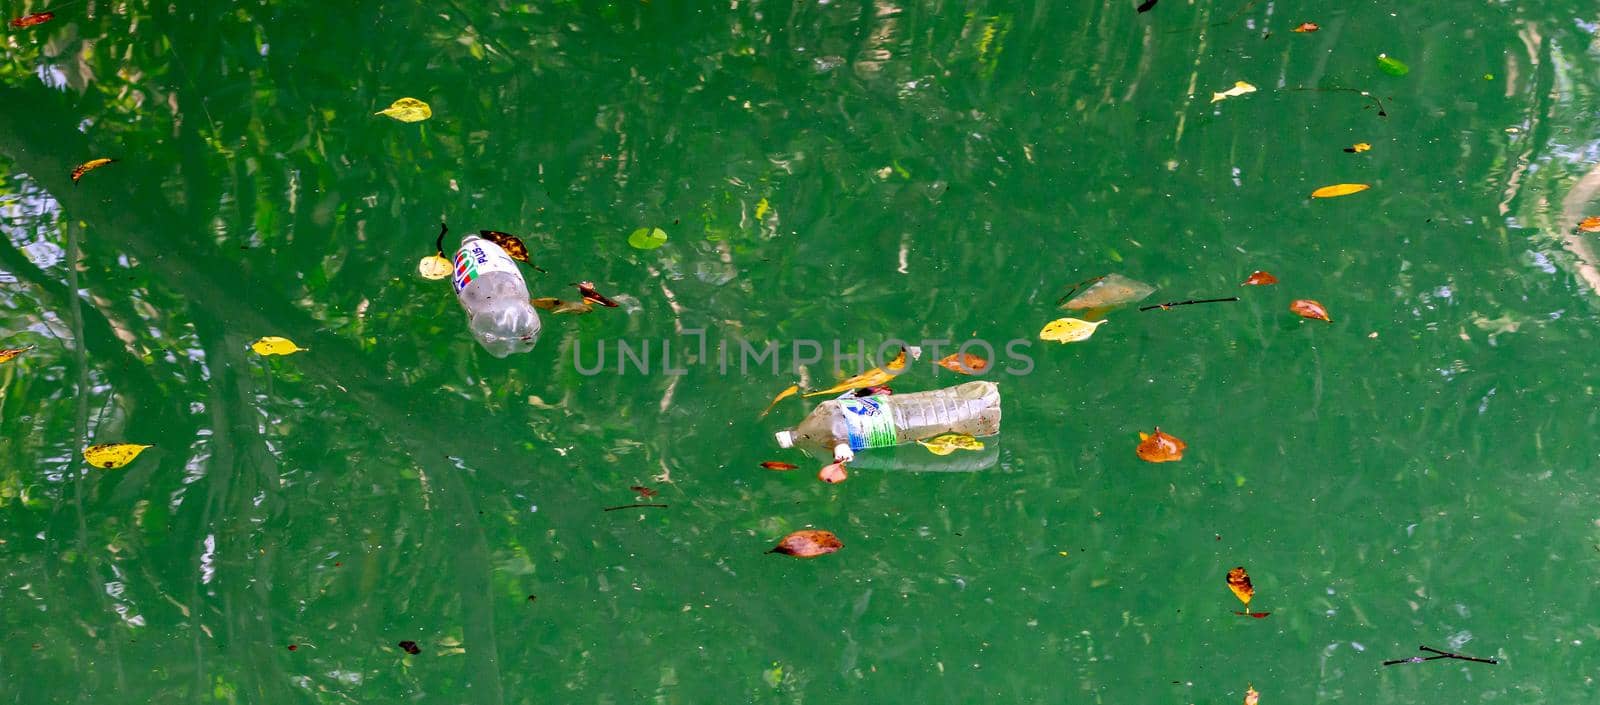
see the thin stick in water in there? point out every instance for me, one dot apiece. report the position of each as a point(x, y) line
point(1190, 302)
point(632, 506)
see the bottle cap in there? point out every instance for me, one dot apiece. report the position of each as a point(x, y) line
point(843, 454)
point(785, 439)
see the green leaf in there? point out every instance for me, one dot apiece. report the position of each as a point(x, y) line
point(648, 238)
point(1392, 66)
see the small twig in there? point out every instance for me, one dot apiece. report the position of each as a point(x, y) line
point(439, 244)
point(1441, 654)
point(1375, 99)
point(633, 506)
point(1190, 302)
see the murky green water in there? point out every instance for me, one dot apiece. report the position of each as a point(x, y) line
point(1416, 472)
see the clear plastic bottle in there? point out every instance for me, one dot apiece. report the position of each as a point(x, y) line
point(847, 425)
point(495, 296)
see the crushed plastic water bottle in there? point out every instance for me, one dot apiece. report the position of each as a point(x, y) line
point(493, 292)
point(847, 425)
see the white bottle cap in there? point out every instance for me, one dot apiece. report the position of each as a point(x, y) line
point(785, 439)
point(843, 454)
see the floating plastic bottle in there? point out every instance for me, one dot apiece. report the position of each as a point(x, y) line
point(492, 290)
point(847, 425)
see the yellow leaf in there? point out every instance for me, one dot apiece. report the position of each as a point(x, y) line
point(434, 267)
point(6, 354)
point(1339, 190)
point(407, 110)
point(1360, 147)
point(1239, 583)
point(951, 442)
point(86, 167)
point(1239, 88)
point(113, 455)
point(1069, 330)
point(874, 377)
point(273, 345)
point(785, 394)
point(762, 208)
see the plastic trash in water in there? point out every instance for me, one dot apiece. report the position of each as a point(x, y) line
point(847, 425)
point(1107, 292)
point(492, 290)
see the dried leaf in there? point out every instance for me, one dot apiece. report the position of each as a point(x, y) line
point(644, 492)
point(434, 267)
point(1306, 27)
point(833, 473)
point(594, 297)
point(1147, 5)
point(964, 363)
point(950, 443)
point(792, 390)
point(1239, 583)
point(113, 455)
point(508, 242)
point(1306, 308)
point(1392, 66)
point(647, 238)
point(877, 391)
point(808, 543)
point(1251, 697)
point(410, 647)
point(1358, 148)
point(36, 18)
point(778, 465)
point(1160, 447)
point(1239, 88)
point(1590, 224)
point(557, 306)
point(1069, 330)
point(1259, 278)
point(88, 166)
point(8, 354)
point(1257, 615)
point(1339, 190)
point(874, 377)
point(407, 110)
point(273, 345)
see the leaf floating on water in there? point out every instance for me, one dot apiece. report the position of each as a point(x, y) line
point(778, 465)
point(647, 238)
point(590, 296)
point(557, 306)
point(785, 394)
point(964, 363)
point(1306, 308)
point(1306, 27)
point(1239, 88)
point(1590, 224)
point(410, 647)
point(833, 473)
point(273, 345)
point(1259, 278)
point(644, 492)
point(36, 18)
point(874, 377)
point(1147, 5)
point(950, 443)
point(1069, 330)
point(8, 354)
point(1251, 697)
point(407, 110)
point(1257, 615)
point(808, 543)
point(1339, 190)
point(508, 242)
point(1392, 66)
point(1239, 583)
point(434, 267)
point(1160, 447)
point(1358, 148)
point(113, 455)
point(88, 166)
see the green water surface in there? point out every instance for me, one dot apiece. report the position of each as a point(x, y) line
point(1418, 471)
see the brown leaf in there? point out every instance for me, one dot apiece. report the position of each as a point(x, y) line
point(7, 354)
point(833, 474)
point(879, 390)
point(964, 363)
point(557, 306)
point(1239, 583)
point(778, 465)
point(594, 297)
point(1590, 224)
point(808, 543)
point(1306, 27)
point(36, 18)
point(791, 391)
point(508, 242)
point(1257, 615)
point(874, 377)
point(410, 647)
point(644, 492)
point(1159, 447)
point(1306, 308)
point(1259, 278)
point(88, 166)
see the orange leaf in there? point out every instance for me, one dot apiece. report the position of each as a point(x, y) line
point(1159, 447)
point(833, 474)
point(88, 166)
point(644, 492)
point(7, 354)
point(1251, 697)
point(1307, 27)
point(778, 465)
point(1339, 190)
point(1590, 224)
point(791, 391)
point(1239, 583)
point(1306, 308)
point(594, 297)
point(1259, 278)
point(508, 242)
point(808, 543)
point(27, 21)
point(964, 363)
point(874, 377)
